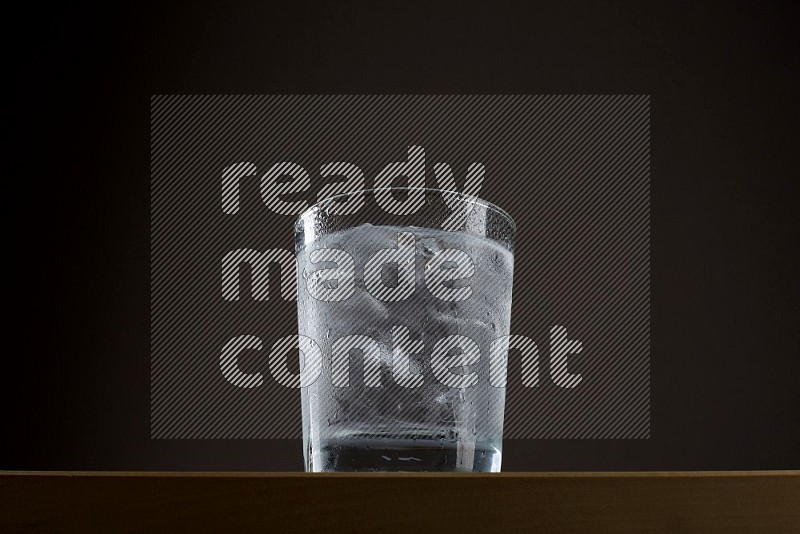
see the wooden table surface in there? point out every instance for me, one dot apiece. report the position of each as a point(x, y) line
point(763, 501)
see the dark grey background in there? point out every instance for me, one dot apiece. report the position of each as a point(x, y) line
point(724, 169)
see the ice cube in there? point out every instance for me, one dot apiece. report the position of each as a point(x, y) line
point(428, 246)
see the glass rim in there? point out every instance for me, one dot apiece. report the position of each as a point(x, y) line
point(466, 197)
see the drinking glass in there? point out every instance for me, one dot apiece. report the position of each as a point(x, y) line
point(405, 296)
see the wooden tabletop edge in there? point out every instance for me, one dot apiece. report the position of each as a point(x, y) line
point(289, 474)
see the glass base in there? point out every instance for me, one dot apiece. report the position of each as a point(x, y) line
point(411, 455)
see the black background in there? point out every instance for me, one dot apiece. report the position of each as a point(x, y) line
point(724, 144)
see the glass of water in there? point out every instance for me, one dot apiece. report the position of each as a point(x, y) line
point(405, 296)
